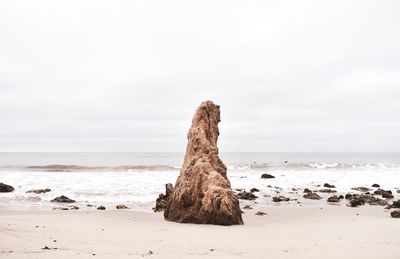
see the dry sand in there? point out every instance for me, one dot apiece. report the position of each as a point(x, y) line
point(331, 232)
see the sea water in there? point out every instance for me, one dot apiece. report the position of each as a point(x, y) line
point(136, 179)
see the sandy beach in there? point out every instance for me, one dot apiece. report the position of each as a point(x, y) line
point(328, 232)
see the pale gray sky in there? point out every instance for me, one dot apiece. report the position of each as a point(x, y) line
point(128, 75)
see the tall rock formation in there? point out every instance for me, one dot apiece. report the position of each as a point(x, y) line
point(202, 192)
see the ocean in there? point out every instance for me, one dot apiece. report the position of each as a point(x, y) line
point(136, 179)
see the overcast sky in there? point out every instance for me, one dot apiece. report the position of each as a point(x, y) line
point(128, 75)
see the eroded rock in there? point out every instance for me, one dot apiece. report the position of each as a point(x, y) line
point(327, 185)
point(202, 192)
point(161, 202)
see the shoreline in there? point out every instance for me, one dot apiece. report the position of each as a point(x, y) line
point(284, 232)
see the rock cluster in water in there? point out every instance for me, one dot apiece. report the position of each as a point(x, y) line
point(202, 192)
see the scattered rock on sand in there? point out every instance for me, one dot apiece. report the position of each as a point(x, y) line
point(395, 214)
point(243, 195)
point(356, 202)
point(6, 188)
point(367, 198)
point(333, 199)
point(341, 197)
point(348, 196)
point(267, 176)
point(39, 191)
point(312, 196)
point(101, 208)
point(327, 185)
point(63, 199)
point(361, 189)
point(247, 207)
point(162, 200)
point(260, 213)
point(307, 191)
point(254, 190)
point(385, 193)
point(203, 193)
point(121, 207)
point(280, 198)
point(396, 204)
point(375, 185)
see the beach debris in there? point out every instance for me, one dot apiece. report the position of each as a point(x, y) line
point(375, 185)
point(121, 207)
point(260, 213)
point(101, 208)
point(333, 199)
point(254, 190)
point(6, 188)
point(312, 196)
point(39, 191)
point(150, 252)
point(267, 176)
point(385, 194)
point(327, 185)
point(203, 193)
point(280, 198)
point(162, 200)
point(63, 199)
point(395, 214)
point(243, 195)
point(361, 189)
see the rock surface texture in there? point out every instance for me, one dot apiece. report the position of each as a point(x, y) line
point(202, 192)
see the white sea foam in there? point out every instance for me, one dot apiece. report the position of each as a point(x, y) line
point(138, 186)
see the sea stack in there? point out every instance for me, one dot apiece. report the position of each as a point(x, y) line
point(202, 193)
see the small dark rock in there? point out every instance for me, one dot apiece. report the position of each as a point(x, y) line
point(356, 202)
point(39, 191)
point(101, 208)
point(396, 204)
point(46, 248)
point(341, 197)
point(6, 188)
point(267, 176)
point(333, 199)
point(280, 198)
point(121, 207)
point(348, 196)
point(327, 185)
point(254, 190)
point(307, 191)
point(260, 213)
point(375, 185)
point(63, 199)
point(246, 196)
point(312, 196)
point(395, 214)
point(247, 207)
point(385, 194)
